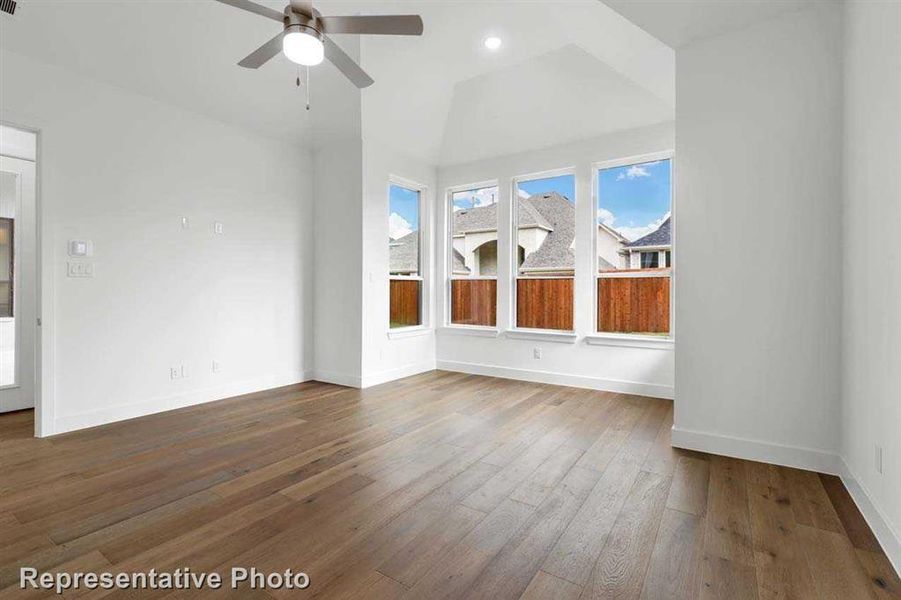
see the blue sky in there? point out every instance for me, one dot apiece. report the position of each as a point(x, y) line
point(565, 185)
point(635, 199)
point(403, 211)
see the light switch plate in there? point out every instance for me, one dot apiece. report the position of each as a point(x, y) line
point(218, 228)
point(81, 248)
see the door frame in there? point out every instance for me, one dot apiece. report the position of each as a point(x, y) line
point(44, 413)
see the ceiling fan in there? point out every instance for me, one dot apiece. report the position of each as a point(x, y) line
point(304, 41)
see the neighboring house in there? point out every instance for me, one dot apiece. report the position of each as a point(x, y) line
point(403, 255)
point(610, 246)
point(652, 251)
point(546, 239)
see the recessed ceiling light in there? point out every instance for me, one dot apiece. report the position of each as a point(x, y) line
point(493, 42)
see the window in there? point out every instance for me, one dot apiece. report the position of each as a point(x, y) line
point(404, 256)
point(6, 267)
point(544, 221)
point(633, 240)
point(650, 260)
point(472, 256)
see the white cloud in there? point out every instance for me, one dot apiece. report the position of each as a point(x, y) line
point(479, 197)
point(522, 193)
point(606, 217)
point(633, 233)
point(398, 226)
point(484, 197)
point(633, 172)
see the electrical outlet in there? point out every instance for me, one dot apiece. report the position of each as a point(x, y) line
point(174, 373)
point(536, 353)
point(79, 269)
point(878, 459)
point(217, 366)
point(218, 228)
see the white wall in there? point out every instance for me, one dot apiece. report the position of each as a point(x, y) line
point(871, 410)
point(386, 358)
point(121, 169)
point(758, 180)
point(631, 369)
point(338, 290)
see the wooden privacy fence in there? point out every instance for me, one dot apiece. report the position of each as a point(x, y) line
point(474, 302)
point(404, 310)
point(545, 303)
point(633, 304)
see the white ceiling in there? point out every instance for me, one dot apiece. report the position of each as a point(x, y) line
point(678, 23)
point(447, 99)
point(182, 53)
point(568, 69)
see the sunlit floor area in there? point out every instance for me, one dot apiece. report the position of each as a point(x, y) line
point(442, 485)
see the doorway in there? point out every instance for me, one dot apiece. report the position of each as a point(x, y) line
point(18, 269)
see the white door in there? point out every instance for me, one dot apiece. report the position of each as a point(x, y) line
point(18, 292)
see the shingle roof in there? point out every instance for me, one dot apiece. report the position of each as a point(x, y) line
point(403, 254)
point(659, 237)
point(556, 251)
point(484, 218)
point(459, 263)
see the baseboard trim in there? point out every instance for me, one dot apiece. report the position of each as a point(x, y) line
point(345, 379)
point(398, 373)
point(165, 403)
point(595, 383)
point(798, 457)
point(887, 537)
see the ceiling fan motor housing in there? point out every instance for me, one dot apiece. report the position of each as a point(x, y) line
point(303, 23)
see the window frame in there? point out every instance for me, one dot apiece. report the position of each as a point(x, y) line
point(602, 337)
point(449, 256)
point(515, 330)
point(424, 257)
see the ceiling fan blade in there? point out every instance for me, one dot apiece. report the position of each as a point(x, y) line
point(256, 9)
point(374, 24)
point(304, 7)
point(346, 64)
point(261, 55)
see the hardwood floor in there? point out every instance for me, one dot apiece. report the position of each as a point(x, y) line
point(441, 485)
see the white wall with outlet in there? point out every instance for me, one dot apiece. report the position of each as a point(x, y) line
point(621, 368)
point(122, 170)
point(387, 356)
point(871, 332)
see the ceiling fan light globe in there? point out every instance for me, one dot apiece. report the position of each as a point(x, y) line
point(303, 48)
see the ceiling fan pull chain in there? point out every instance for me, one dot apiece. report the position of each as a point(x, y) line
point(308, 88)
point(297, 81)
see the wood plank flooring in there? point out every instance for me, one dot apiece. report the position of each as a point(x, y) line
point(441, 485)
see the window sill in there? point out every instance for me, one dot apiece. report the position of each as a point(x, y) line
point(630, 341)
point(489, 332)
point(400, 333)
point(544, 335)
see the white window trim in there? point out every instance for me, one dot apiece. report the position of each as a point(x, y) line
point(543, 335)
point(425, 224)
point(631, 340)
point(447, 240)
point(399, 333)
point(523, 332)
point(473, 330)
point(600, 338)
